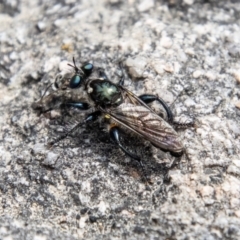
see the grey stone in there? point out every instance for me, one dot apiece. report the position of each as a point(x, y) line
point(187, 53)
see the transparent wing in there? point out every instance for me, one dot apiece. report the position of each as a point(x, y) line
point(145, 122)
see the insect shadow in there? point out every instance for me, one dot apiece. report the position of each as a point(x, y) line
point(97, 138)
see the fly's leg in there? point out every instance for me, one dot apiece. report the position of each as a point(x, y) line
point(149, 98)
point(102, 74)
point(90, 118)
point(59, 98)
point(121, 81)
point(78, 105)
point(114, 135)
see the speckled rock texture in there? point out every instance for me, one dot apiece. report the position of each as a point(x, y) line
point(188, 53)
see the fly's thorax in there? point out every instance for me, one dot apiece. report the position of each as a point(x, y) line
point(104, 93)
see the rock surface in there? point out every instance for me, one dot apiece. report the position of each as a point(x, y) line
point(187, 52)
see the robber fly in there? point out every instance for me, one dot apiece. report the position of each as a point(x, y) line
point(119, 108)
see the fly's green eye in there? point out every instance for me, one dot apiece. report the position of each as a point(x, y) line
point(75, 81)
point(87, 68)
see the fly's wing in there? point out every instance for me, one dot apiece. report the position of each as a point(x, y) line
point(148, 124)
point(131, 98)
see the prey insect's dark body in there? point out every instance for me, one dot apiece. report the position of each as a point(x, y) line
point(119, 108)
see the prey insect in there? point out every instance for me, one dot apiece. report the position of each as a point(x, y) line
point(119, 108)
point(67, 94)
